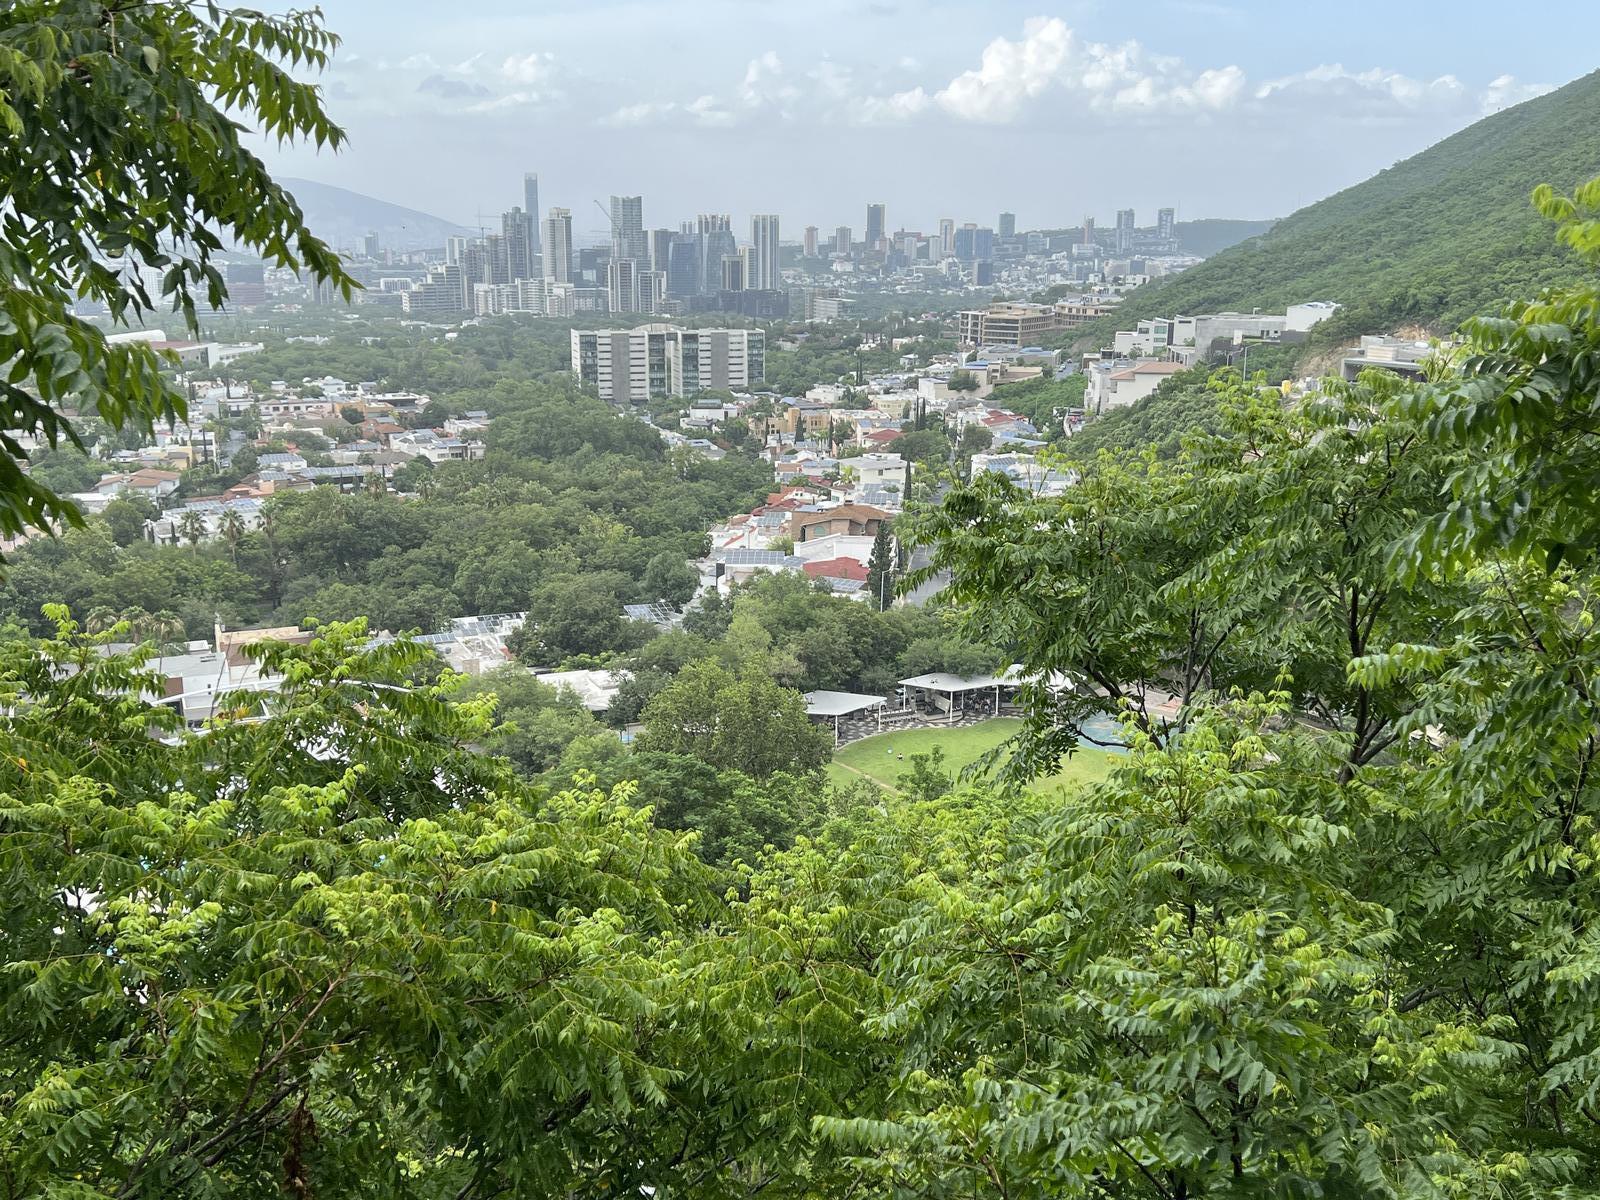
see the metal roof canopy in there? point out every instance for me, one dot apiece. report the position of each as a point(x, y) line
point(840, 704)
point(941, 681)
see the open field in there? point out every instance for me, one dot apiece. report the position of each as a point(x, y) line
point(879, 757)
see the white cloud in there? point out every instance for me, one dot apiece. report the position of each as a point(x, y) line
point(533, 67)
point(1049, 70)
point(1504, 91)
point(646, 113)
point(1010, 73)
point(1374, 92)
point(509, 100)
point(707, 111)
point(703, 110)
point(766, 84)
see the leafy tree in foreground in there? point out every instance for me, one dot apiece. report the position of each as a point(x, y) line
point(123, 145)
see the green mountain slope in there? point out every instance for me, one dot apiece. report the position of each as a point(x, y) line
point(1437, 238)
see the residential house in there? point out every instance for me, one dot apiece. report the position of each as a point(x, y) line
point(855, 519)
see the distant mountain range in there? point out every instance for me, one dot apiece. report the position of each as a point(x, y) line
point(1442, 236)
point(342, 218)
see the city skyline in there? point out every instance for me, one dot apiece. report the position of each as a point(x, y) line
point(780, 113)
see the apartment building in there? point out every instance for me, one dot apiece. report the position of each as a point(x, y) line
point(632, 365)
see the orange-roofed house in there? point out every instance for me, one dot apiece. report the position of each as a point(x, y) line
point(853, 520)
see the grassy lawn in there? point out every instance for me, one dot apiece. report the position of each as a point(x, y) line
point(878, 757)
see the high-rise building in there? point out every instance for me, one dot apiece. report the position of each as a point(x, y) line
point(474, 269)
point(841, 240)
point(974, 243)
point(633, 365)
point(661, 248)
point(810, 246)
point(369, 245)
point(530, 205)
point(683, 266)
point(558, 246)
point(947, 236)
point(875, 217)
point(454, 247)
point(733, 271)
point(247, 284)
point(1008, 225)
point(1125, 219)
point(1167, 224)
point(1088, 231)
point(764, 239)
point(715, 234)
point(652, 290)
point(442, 292)
point(622, 285)
point(496, 259)
point(516, 227)
point(627, 228)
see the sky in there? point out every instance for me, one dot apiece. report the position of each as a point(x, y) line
point(1219, 108)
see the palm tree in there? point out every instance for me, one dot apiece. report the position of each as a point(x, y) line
point(232, 531)
point(192, 527)
point(165, 628)
point(269, 530)
point(100, 619)
point(376, 485)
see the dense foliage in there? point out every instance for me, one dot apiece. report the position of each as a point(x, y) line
point(123, 150)
point(572, 498)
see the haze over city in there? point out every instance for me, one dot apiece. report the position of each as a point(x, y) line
point(808, 110)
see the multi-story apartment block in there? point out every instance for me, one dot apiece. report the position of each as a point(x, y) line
point(633, 365)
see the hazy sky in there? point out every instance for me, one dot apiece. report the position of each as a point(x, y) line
point(936, 107)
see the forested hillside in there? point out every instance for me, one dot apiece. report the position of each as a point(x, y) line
point(1432, 240)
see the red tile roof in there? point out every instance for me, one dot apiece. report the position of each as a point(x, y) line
point(835, 568)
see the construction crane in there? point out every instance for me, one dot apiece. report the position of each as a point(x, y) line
point(611, 221)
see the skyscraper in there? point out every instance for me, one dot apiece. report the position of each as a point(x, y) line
point(841, 240)
point(1008, 225)
point(622, 285)
point(1125, 219)
point(947, 236)
point(627, 228)
point(764, 238)
point(454, 247)
point(733, 271)
point(1167, 224)
point(1088, 231)
point(875, 216)
point(369, 245)
point(810, 246)
point(516, 227)
point(683, 265)
point(496, 258)
point(530, 205)
point(660, 248)
point(558, 246)
point(715, 234)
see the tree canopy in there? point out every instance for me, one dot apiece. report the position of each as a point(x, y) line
point(124, 149)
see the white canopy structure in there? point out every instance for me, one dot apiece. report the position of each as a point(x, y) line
point(831, 706)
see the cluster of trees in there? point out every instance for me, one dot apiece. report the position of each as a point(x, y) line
point(575, 511)
point(1044, 401)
